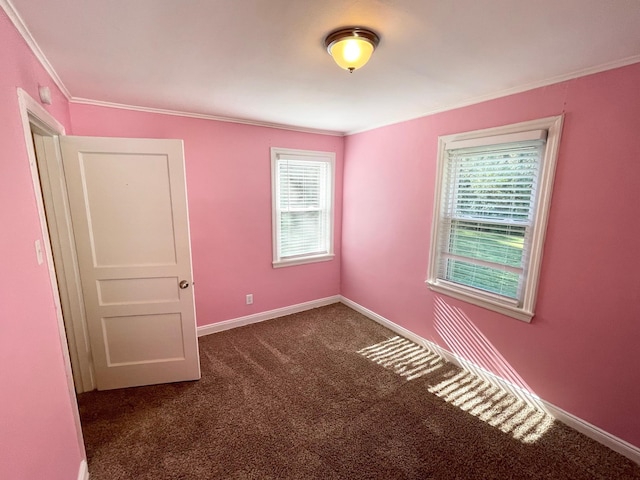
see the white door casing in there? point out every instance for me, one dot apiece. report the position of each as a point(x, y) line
point(36, 119)
point(54, 193)
point(128, 206)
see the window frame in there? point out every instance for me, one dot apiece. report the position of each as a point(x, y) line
point(523, 309)
point(329, 158)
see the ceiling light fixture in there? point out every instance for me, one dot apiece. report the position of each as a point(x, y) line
point(351, 48)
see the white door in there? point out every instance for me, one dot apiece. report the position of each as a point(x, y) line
point(128, 206)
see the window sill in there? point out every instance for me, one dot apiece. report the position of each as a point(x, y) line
point(290, 262)
point(481, 301)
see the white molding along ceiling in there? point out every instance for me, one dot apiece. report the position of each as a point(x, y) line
point(17, 21)
point(264, 63)
point(178, 113)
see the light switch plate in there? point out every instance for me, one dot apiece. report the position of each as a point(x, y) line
point(39, 255)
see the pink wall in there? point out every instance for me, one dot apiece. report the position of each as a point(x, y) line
point(37, 430)
point(229, 189)
point(581, 351)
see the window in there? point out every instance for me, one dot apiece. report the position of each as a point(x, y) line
point(492, 197)
point(302, 197)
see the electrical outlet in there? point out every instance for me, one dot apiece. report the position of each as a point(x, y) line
point(249, 298)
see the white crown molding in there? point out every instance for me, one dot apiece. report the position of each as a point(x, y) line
point(509, 91)
point(268, 315)
point(465, 103)
point(614, 443)
point(17, 21)
point(15, 18)
point(202, 116)
point(19, 24)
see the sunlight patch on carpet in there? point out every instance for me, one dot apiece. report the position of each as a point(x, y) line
point(509, 411)
point(499, 408)
point(403, 357)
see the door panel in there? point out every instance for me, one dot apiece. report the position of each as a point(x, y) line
point(112, 186)
point(129, 211)
point(139, 339)
point(138, 290)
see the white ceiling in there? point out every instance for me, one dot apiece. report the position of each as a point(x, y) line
point(264, 60)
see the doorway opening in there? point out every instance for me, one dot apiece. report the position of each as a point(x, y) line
point(41, 130)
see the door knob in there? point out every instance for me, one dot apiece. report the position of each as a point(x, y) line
point(183, 284)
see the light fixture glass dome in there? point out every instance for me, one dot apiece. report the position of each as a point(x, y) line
point(351, 48)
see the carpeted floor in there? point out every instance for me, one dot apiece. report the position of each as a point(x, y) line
point(329, 394)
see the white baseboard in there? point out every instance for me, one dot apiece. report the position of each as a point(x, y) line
point(268, 315)
point(614, 443)
point(83, 471)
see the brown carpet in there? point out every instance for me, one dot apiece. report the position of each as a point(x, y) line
point(329, 394)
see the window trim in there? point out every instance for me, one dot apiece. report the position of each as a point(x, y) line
point(521, 310)
point(278, 153)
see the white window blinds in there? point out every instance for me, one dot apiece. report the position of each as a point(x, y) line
point(302, 199)
point(487, 211)
point(491, 204)
point(303, 206)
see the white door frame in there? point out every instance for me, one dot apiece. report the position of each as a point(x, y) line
point(56, 205)
point(51, 196)
point(44, 124)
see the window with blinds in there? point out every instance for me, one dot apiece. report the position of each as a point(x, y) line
point(492, 190)
point(302, 206)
